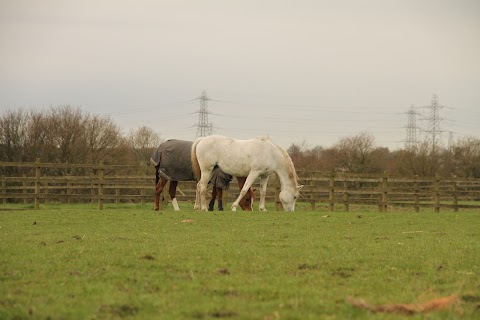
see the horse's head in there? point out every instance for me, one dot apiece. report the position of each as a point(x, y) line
point(247, 202)
point(288, 197)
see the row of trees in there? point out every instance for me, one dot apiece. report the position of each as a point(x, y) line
point(359, 154)
point(66, 134)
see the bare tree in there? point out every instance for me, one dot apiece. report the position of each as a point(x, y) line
point(308, 159)
point(143, 141)
point(13, 129)
point(355, 153)
point(102, 138)
point(298, 154)
point(39, 142)
point(467, 157)
point(425, 160)
point(66, 125)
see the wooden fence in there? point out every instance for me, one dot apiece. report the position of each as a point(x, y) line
point(37, 182)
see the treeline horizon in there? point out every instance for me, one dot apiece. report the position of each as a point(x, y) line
point(66, 134)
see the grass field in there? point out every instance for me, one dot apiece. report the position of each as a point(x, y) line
point(76, 262)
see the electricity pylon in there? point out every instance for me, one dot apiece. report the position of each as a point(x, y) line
point(204, 128)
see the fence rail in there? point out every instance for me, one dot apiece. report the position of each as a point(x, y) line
point(43, 182)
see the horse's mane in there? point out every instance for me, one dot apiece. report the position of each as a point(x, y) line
point(292, 173)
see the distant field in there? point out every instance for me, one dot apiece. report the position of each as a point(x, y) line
point(76, 262)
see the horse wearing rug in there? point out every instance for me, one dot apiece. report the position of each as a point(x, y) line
point(220, 180)
point(172, 161)
point(218, 185)
point(254, 158)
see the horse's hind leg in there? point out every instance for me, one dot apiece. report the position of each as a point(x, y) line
point(220, 198)
point(212, 201)
point(158, 190)
point(173, 190)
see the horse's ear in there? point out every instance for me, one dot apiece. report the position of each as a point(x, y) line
point(299, 187)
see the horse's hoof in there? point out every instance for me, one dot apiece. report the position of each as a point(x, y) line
point(263, 209)
point(234, 208)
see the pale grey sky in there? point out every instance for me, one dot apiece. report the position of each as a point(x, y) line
point(303, 70)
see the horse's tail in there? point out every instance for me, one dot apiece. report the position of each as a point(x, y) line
point(157, 175)
point(155, 160)
point(157, 169)
point(195, 165)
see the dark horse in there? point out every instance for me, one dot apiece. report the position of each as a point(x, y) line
point(172, 161)
point(220, 181)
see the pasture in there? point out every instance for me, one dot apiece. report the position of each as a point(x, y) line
point(127, 262)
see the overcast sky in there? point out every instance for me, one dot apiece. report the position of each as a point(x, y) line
point(303, 70)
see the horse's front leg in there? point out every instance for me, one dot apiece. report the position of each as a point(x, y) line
point(158, 190)
point(247, 201)
point(248, 183)
point(243, 201)
point(173, 190)
point(202, 188)
point(263, 193)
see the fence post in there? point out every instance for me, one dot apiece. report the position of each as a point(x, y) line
point(45, 192)
point(455, 195)
point(142, 198)
point(24, 191)
point(92, 191)
point(101, 176)
point(37, 183)
point(380, 195)
point(345, 195)
point(313, 194)
point(4, 190)
point(331, 192)
point(69, 191)
point(436, 193)
point(415, 194)
point(385, 192)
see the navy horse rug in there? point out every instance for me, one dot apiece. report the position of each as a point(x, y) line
point(172, 159)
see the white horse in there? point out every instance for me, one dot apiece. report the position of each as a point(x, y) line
point(254, 158)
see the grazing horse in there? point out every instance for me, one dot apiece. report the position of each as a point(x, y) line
point(254, 158)
point(172, 161)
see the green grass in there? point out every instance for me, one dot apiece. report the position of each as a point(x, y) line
point(76, 262)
